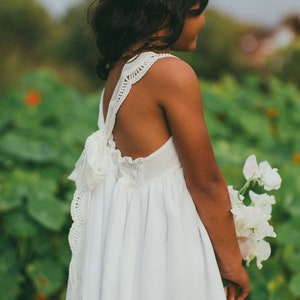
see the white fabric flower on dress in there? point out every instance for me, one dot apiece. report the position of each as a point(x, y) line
point(93, 164)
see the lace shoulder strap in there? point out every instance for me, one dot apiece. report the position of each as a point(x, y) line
point(132, 72)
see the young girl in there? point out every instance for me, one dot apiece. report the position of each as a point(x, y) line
point(151, 210)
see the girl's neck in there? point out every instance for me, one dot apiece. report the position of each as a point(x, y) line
point(137, 47)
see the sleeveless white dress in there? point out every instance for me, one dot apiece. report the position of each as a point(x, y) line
point(136, 234)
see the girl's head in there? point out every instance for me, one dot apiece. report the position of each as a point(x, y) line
point(124, 28)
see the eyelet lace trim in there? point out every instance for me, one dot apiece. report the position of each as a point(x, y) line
point(90, 170)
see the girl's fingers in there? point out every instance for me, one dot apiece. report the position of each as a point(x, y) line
point(231, 291)
point(242, 296)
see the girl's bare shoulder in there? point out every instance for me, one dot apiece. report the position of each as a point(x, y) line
point(171, 75)
point(172, 68)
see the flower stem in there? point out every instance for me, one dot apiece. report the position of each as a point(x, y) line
point(245, 187)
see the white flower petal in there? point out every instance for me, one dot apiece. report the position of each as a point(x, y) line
point(263, 201)
point(234, 197)
point(253, 217)
point(271, 180)
point(265, 230)
point(250, 169)
point(246, 248)
point(264, 167)
point(263, 252)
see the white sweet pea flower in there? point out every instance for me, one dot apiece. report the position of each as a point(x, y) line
point(262, 252)
point(251, 217)
point(264, 230)
point(247, 248)
point(251, 248)
point(252, 227)
point(270, 179)
point(251, 221)
point(234, 196)
point(264, 201)
point(251, 169)
point(241, 229)
point(262, 172)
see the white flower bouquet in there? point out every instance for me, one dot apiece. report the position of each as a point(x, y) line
point(252, 220)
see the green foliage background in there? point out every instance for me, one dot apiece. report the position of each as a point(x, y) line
point(40, 143)
point(38, 148)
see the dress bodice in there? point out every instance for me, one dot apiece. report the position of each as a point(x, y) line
point(141, 170)
point(101, 156)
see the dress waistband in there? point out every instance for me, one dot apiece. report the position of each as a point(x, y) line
point(143, 170)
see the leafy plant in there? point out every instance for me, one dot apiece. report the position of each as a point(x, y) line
point(42, 125)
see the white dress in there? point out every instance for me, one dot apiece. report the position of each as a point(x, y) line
point(136, 233)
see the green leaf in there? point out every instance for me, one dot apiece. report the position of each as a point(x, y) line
point(48, 212)
point(41, 244)
point(27, 148)
point(18, 224)
point(294, 209)
point(11, 192)
point(295, 284)
point(9, 272)
point(19, 185)
point(291, 257)
point(63, 252)
point(8, 201)
point(289, 233)
point(48, 276)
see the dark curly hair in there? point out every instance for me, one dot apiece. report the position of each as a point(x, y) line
point(119, 24)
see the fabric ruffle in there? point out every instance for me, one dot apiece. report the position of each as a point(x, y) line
point(93, 164)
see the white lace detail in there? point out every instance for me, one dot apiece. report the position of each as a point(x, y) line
point(125, 165)
point(89, 171)
point(95, 162)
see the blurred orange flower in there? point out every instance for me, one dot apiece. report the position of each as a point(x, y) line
point(272, 113)
point(33, 98)
point(296, 157)
point(40, 296)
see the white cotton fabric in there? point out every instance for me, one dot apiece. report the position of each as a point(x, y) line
point(136, 233)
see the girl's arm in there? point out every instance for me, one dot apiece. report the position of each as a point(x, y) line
point(180, 97)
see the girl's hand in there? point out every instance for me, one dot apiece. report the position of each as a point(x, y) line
point(238, 289)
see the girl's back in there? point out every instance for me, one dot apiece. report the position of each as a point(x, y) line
point(141, 126)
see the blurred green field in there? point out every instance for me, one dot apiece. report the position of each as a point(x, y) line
point(43, 126)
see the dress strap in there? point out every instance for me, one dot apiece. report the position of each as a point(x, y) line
point(132, 72)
